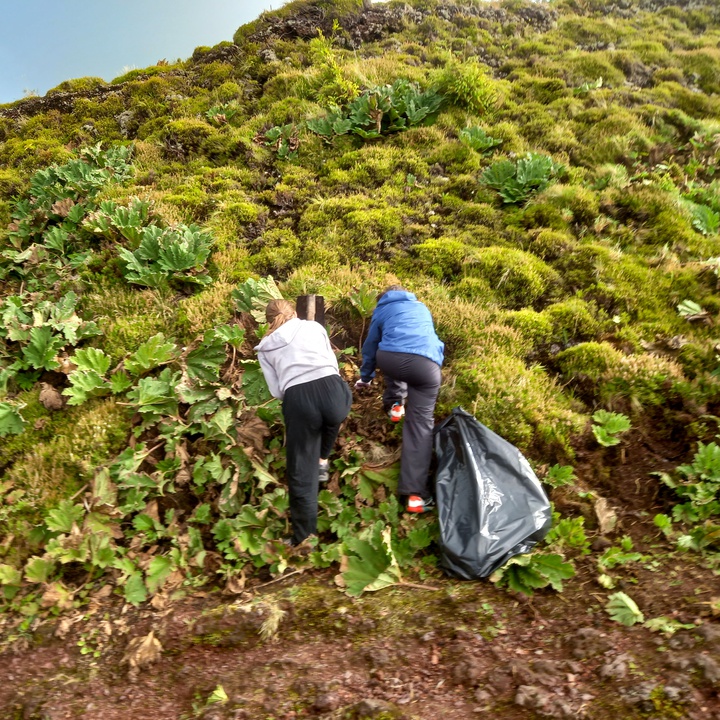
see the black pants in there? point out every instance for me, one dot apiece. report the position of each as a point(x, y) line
point(416, 378)
point(313, 413)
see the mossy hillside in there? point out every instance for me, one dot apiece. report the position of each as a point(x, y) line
point(602, 256)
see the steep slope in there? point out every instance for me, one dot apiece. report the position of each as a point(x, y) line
point(541, 175)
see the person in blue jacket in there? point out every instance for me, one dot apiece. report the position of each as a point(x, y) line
point(402, 342)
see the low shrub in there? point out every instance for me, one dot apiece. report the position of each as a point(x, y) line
point(641, 379)
point(469, 85)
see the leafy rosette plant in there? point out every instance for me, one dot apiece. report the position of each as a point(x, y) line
point(168, 255)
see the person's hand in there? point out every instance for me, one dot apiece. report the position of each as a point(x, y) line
point(362, 385)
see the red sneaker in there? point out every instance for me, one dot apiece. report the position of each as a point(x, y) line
point(417, 504)
point(397, 412)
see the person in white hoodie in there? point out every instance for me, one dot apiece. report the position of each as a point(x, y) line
point(301, 369)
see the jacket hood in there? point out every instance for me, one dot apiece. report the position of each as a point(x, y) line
point(396, 296)
point(282, 337)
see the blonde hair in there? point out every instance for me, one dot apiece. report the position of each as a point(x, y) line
point(278, 312)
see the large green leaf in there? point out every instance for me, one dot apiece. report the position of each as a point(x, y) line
point(157, 573)
point(253, 384)
point(38, 570)
point(204, 362)
point(622, 609)
point(64, 516)
point(372, 566)
point(11, 421)
point(91, 359)
point(85, 384)
point(155, 351)
point(42, 348)
point(134, 589)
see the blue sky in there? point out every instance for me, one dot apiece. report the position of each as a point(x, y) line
point(43, 42)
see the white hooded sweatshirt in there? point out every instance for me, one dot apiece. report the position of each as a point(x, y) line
point(297, 352)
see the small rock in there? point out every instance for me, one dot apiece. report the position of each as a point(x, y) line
point(326, 702)
point(468, 672)
point(709, 668)
point(588, 641)
point(500, 681)
point(50, 397)
point(370, 708)
point(616, 669)
point(600, 543)
point(681, 641)
point(676, 662)
point(544, 702)
point(640, 696)
point(710, 634)
point(268, 55)
point(483, 696)
point(377, 657)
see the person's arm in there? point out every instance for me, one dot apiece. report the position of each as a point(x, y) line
point(271, 377)
point(369, 349)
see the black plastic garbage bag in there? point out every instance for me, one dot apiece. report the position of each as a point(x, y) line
point(491, 505)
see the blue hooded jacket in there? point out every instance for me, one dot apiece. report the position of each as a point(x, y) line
point(400, 323)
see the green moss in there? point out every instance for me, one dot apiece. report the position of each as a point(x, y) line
point(551, 244)
point(280, 252)
point(543, 215)
point(225, 146)
point(372, 166)
point(521, 404)
point(614, 135)
point(535, 327)
point(697, 358)
point(577, 204)
point(588, 67)
point(469, 85)
point(674, 94)
point(186, 136)
point(350, 229)
point(703, 66)
point(148, 72)
point(455, 158)
point(33, 154)
point(128, 316)
point(192, 201)
point(210, 307)
point(590, 30)
point(442, 257)
point(462, 212)
point(573, 320)
point(125, 334)
point(52, 460)
point(588, 359)
point(642, 380)
point(83, 84)
point(11, 182)
point(214, 74)
point(517, 277)
point(580, 268)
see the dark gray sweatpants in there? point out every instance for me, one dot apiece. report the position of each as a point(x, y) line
point(313, 413)
point(416, 378)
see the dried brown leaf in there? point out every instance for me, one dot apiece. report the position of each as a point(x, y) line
point(63, 207)
point(143, 651)
point(252, 431)
point(607, 517)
